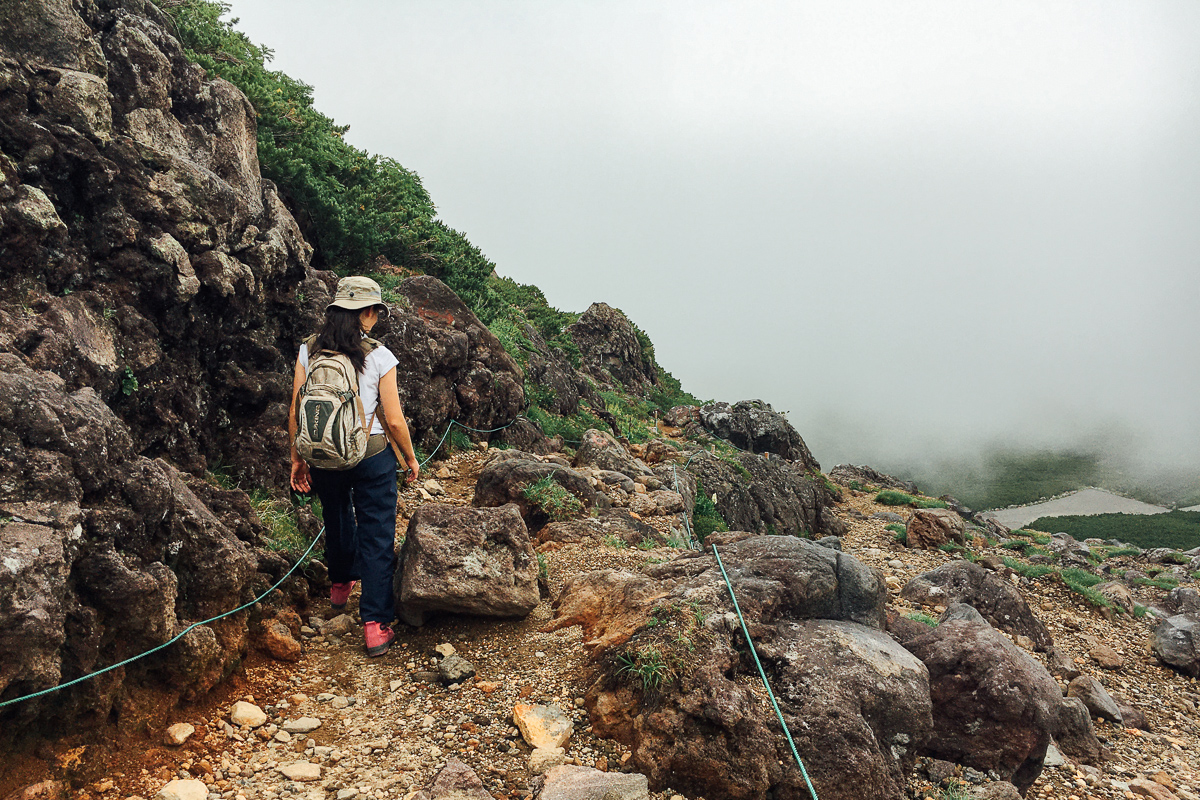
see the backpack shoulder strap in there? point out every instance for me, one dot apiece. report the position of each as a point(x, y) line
point(370, 345)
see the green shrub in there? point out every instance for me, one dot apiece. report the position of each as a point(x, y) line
point(890, 497)
point(1165, 582)
point(352, 206)
point(917, 616)
point(926, 502)
point(552, 499)
point(895, 527)
point(706, 518)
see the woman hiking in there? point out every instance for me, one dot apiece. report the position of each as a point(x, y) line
point(358, 503)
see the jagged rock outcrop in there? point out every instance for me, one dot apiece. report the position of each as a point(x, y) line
point(611, 352)
point(451, 366)
point(563, 386)
point(859, 702)
point(767, 495)
point(754, 426)
point(1177, 643)
point(869, 477)
point(107, 554)
point(152, 273)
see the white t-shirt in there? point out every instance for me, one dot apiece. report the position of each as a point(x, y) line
point(379, 362)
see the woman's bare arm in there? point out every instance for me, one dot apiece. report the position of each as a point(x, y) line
point(393, 420)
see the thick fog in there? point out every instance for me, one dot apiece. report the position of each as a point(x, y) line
point(920, 228)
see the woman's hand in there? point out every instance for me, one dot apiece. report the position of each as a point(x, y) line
point(414, 468)
point(300, 481)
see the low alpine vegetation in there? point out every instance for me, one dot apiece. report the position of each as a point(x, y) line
point(552, 499)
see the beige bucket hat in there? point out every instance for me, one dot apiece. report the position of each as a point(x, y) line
point(357, 292)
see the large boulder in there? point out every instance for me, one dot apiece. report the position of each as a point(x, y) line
point(466, 561)
point(766, 495)
point(1095, 698)
point(997, 600)
point(930, 528)
point(754, 426)
point(107, 554)
point(700, 726)
point(1177, 643)
point(504, 480)
point(994, 706)
point(613, 354)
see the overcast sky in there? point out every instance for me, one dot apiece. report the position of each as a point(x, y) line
point(917, 227)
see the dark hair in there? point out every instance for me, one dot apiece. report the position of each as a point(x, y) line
point(342, 333)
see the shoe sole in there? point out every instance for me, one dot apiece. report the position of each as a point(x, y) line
point(378, 649)
point(342, 607)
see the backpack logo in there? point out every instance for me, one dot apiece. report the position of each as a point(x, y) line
point(332, 430)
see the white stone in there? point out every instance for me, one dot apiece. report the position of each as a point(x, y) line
point(445, 650)
point(543, 759)
point(178, 733)
point(283, 736)
point(247, 714)
point(183, 790)
point(394, 685)
point(301, 771)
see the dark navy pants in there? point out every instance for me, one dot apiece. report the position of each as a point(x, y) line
point(359, 510)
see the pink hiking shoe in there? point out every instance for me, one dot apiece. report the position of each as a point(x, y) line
point(379, 638)
point(339, 594)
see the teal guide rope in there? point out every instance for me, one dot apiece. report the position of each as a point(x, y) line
point(242, 607)
point(763, 674)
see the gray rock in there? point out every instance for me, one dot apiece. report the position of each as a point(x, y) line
point(1177, 643)
point(569, 782)
point(601, 451)
point(455, 781)
point(466, 561)
point(1094, 697)
point(302, 725)
point(1075, 735)
point(455, 669)
point(503, 481)
point(997, 600)
point(888, 516)
point(300, 771)
point(610, 350)
point(996, 790)
point(962, 611)
point(832, 542)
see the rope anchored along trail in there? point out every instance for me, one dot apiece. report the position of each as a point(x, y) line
point(763, 674)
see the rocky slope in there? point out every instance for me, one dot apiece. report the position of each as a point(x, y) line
point(387, 727)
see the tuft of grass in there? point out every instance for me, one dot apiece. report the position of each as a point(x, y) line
point(552, 499)
point(928, 502)
point(917, 616)
point(1140, 611)
point(647, 544)
point(543, 567)
point(951, 547)
point(895, 527)
point(615, 541)
point(283, 534)
point(1165, 582)
point(890, 497)
point(645, 665)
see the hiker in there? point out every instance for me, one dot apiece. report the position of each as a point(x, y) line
point(358, 503)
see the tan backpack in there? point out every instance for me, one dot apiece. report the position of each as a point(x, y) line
point(332, 430)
